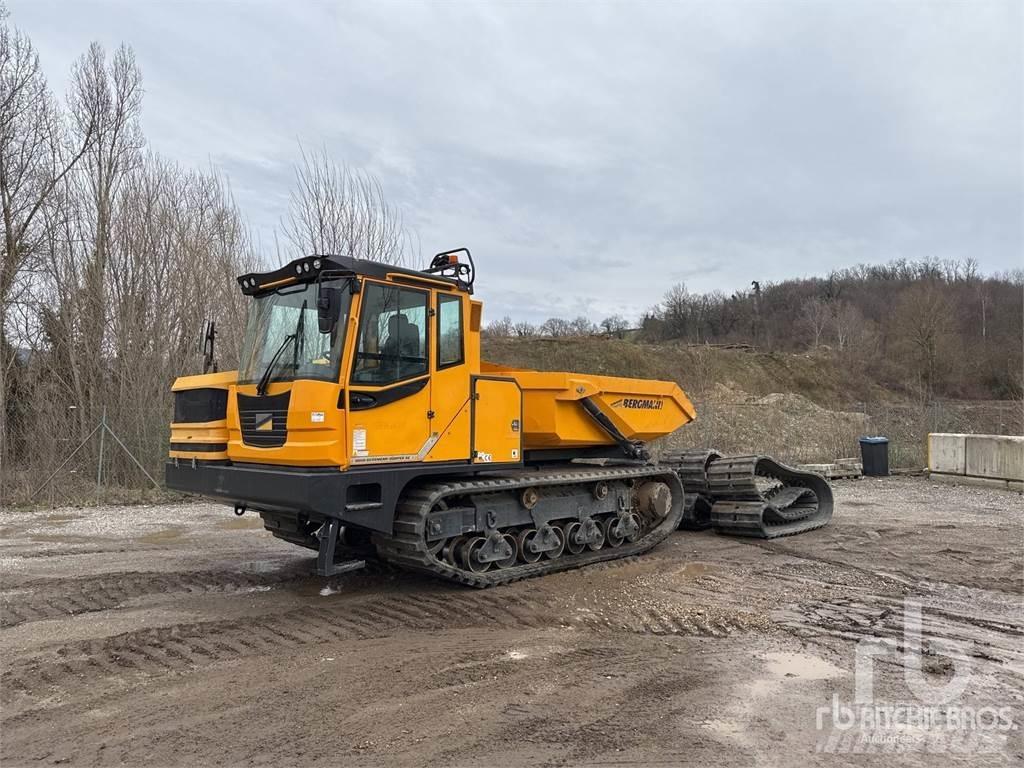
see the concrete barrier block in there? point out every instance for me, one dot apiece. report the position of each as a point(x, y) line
point(995, 456)
point(979, 482)
point(947, 453)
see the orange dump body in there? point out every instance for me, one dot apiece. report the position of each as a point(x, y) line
point(641, 409)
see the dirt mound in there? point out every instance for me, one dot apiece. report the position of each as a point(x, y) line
point(726, 392)
point(747, 401)
point(785, 425)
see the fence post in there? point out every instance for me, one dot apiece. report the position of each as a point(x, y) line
point(99, 464)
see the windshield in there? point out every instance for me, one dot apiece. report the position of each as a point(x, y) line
point(273, 318)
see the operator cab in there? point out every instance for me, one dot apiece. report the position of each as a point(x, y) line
point(349, 363)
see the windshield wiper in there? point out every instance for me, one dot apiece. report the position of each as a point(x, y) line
point(261, 387)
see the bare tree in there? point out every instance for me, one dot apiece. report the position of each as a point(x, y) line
point(176, 243)
point(924, 315)
point(815, 316)
point(615, 325)
point(111, 96)
point(524, 329)
point(112, 259)
point(500, 329)
point(335, 209)
point(34, 160)
point(675, 309)
point(847, 322)
point(555, 327)
point(582, 326)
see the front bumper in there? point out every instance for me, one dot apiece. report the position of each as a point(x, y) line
point(312, 492)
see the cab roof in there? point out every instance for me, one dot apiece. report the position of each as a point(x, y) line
point(308, 269)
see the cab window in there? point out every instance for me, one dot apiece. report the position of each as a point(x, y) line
point(449, 330)
point(392, 335)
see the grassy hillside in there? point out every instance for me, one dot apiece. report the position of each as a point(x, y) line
point(704, 372)
point(798, 407)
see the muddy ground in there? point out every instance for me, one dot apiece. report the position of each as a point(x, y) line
point(179, 635)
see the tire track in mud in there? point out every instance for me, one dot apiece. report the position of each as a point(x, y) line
point(59, 598)
point(181, 648)
point(986, 624)
point(668, 620)
point(160, 732)
point(42, 599)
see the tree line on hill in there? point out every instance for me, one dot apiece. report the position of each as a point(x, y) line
point(931, 328)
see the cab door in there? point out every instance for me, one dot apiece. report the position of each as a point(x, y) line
point(450, 404)
point(388, 394)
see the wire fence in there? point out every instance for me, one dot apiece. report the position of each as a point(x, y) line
point(66, 460)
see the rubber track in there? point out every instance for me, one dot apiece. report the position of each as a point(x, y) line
point(801, 503)
point(692, 468)
point(407, 548)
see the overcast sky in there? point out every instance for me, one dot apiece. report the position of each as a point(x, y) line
point(591, 155)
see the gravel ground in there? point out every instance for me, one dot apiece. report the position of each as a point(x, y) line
point(180, 635)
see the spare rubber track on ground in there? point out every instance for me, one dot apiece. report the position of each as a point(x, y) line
point(800, 501)
point(692, 468)
point(408, 548)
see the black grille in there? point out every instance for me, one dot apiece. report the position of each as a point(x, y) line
point(264, 420)
point(194, 406)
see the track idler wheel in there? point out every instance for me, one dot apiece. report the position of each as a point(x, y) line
point(532, 543)
point(613, 533)
point(497, 548)
point(587, 534)
point(573, 535)
point(470, 554)
point(451, 549)
point(525, 545)
point(559, 547)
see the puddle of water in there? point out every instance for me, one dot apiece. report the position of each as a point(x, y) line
point(162, 537)
point(783, 666)
point(800, 665)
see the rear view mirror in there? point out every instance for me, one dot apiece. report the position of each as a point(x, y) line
point(209, 337)
point(328, 302)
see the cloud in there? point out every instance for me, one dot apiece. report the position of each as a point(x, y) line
point(591, 156)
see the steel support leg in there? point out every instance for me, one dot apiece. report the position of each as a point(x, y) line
point(325, 565)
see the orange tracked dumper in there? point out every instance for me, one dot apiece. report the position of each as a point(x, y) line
point(362, 421)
